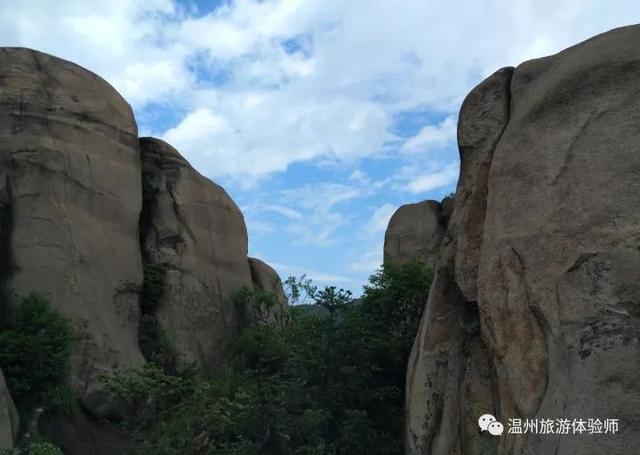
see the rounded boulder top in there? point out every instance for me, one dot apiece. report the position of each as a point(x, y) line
point(31, 81)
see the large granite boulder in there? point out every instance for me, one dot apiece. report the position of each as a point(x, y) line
point(415, 232)
point(70, 198)
point(9, 419)
point(535, 307)
point(192, 228)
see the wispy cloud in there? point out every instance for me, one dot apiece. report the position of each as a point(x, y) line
point(436, 179)
point(380, 218)
point(433, 136)
point(368, 261)
point(254, 86)
point(287, 212)
point(252, 91)
point(322, 214)
point(315, 275)
point(367, 256)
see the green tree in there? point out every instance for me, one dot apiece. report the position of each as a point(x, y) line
point(34, 355)
point(322, 383)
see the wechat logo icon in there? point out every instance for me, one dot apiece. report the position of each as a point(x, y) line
point(487, 422)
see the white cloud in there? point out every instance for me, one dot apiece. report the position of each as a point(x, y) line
point(437, 179)
point(432, 136)
point(368, 261)
point(251, 88)
point(362, 62)
point(282, 210)
point(315, 275)
point(380, 218)
point(359, 176)
point(323, 196)
point(324, 210)
point(368, 256)
point(201, 121)
point(258, 228)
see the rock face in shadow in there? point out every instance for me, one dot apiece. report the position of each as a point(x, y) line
point(9, 420)
point(535, 307)
point(70, 197)
point(192, 227)
point(415, 232)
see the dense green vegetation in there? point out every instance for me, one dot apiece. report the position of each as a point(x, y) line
point(34, 357)
point(303, 382)
point(154, 342)
point(34, 354)
point(36, 448)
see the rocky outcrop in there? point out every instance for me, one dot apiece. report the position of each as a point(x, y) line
point(70, 198)
point(449, 378)
point(415, 232)
point(534, 309)
point(82, 203)
point(9, 420)
point(191, 226)
point(264, 277)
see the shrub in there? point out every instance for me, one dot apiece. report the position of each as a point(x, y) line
point(257, 307)
point(176, 414)
point(155, 344)
point(36, 448)
point(394, 300)
point(148, 394)
point(35, 354)
point(155, 284)
point(262, 348)
point(330, 384)
point(43, 448)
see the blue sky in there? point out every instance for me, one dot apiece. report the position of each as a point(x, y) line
point(319, 117)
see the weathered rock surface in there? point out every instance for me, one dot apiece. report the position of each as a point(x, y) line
point(9, 419)
point(70, 197)
point(264, 277)
point(82, 203)
point(271, 310)
point(415, 232)
point(450, 377)
point(535, 307)
point(192, 226)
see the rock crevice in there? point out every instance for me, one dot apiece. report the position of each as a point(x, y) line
point(191, 227)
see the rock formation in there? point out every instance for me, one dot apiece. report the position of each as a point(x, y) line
point(70, 198)
point(534, 309)
point(87, 210)
point(264, 277)
point(191, 226)
point(9, 420)
point(415, 232)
